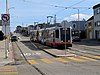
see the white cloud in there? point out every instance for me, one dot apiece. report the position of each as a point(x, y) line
point(74, 17)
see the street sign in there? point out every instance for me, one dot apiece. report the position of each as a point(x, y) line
point(5, 19)
point(5, 23)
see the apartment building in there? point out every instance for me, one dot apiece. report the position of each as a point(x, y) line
point(96, 9)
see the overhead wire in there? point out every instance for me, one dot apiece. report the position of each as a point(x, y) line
point(74, 7)
point(59, 6)
point(78, 3)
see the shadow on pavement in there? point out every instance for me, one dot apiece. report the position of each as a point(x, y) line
point(35, 46)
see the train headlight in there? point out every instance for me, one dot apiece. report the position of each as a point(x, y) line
point(68, 40)
point(62, 41)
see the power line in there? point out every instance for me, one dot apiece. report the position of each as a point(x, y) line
point(78, 3)
point(70, 6)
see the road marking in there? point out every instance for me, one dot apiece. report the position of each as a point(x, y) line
point(8, 72)
point(98, 57)
point(30, 54)
point(47, 61)
point(60, 59)
point(37, 53)
point(32, 62)
point(87, 58)
point(94, 56)
point(8, 67)
point(76, 59)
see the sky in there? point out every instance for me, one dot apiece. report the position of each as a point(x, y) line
point(26, 12)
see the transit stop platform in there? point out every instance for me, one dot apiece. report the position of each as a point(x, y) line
point(65, 52)
point(59, 53)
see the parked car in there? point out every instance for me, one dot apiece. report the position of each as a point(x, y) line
point(76, 39)
point(14, 38)
point(1, 35)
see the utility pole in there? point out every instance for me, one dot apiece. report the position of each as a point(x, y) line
point(65, 36)
point(6, 6)
point(78, 22)
point(6, 44)
point(55, 19)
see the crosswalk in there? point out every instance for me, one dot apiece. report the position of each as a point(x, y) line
point(64, 60)
point(8, 70)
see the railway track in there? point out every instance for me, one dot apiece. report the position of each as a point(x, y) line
point(79, 53)
point(25, 59)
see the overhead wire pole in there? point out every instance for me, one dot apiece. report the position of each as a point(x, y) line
point(6, 6)
point(77, 8)
point(78, 22)
point(6, 31)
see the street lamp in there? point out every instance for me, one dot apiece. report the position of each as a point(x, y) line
point(10, 9)
point(50, 19)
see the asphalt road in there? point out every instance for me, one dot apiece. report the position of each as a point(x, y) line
point(37, 62)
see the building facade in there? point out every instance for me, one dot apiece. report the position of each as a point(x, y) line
point(96, 9)
point(90, 28)
point(78, 28)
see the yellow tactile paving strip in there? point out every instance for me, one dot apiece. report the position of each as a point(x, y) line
point(65, 60)
point(87, 58)
point(60, 59)
point(32, 62)
point(94, 56)
point(76, 59)
point(8, 70)
point(98, 57)
point(47, 61)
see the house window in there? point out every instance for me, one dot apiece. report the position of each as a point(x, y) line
point(85, 25)
point(97, 23)
point(98, 11)
point(74, 25)
point(94, 12)
point(90, 24)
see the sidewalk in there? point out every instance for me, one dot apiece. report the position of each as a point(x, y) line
point(89, 43)
point(3, 59)
point(92, 41)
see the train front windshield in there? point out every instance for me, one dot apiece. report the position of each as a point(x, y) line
point(62, 31)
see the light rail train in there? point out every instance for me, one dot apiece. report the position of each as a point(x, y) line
point(53, 36)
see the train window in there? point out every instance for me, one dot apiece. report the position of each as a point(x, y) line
point(57, 33)
point(67, 34)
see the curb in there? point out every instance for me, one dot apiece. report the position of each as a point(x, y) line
point(54, 55)
point(49, 53)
